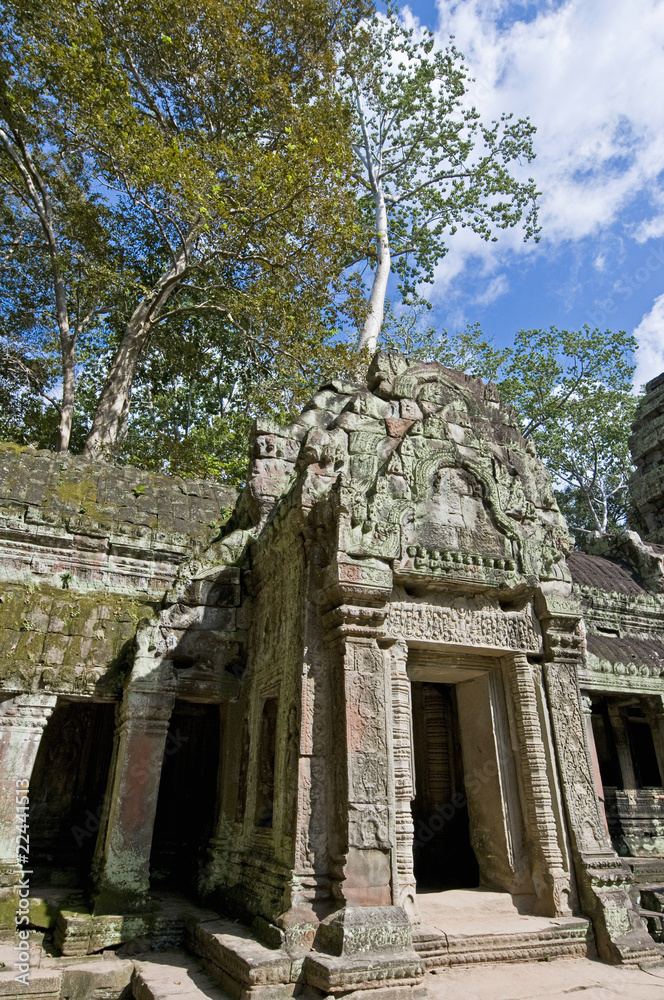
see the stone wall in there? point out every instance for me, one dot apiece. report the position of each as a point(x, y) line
point(86, 553)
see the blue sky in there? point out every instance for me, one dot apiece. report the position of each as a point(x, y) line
point(590, 74)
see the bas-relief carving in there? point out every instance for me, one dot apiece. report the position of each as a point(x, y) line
point(550, 879)
point(571, 747)
point(404, 779)
point(463, 624)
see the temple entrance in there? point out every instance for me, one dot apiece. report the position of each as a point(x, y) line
point(442, 853)
point(67, 790)
point(187, 796)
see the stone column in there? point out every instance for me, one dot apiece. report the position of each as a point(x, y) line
point(368, 940)
point(365, 878)
point(587, 709)
point(622, 746)
point(122, 864)
point(22, 722)
point(550, 879)
point(404, 780)
point(603, 879)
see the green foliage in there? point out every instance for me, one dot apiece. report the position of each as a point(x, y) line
point(162, 161)
point(572, 392)
point(469, 351)
point(425, 162)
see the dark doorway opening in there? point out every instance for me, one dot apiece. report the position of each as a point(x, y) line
point(187, 799)
point(67, 791)
point(442, 853)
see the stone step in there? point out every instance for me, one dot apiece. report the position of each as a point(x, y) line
point(41, 984)
point(468, 927)
point(173, 976)
point(240, 964)
point(569, 940)
point(94, 978)
point(78, 932)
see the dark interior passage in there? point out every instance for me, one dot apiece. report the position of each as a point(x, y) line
point(187, 795)
point(443, 856)
point(67, 790)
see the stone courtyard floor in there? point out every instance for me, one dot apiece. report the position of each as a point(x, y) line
point(563, 979)
point(179, 976)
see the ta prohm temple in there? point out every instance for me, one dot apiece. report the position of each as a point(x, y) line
point(372, 716)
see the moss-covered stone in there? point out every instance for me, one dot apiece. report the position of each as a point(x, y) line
point(56, 643)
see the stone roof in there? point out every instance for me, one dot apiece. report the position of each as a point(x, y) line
point(611, 575)
point(626, 649)
point(101, 525)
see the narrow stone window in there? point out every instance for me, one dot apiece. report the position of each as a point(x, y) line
point(265, 769)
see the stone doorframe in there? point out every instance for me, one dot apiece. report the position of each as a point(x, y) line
point(567, 844)
point(515, 780)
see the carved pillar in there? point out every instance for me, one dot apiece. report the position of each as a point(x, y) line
point(22, 722)
point(655, 716)
point(404, 781)
point(603, 879)
point(587, 709)
point(365, 874)
point(122, 864)
point(622, 746)
point(550, 879)
point(368, 941)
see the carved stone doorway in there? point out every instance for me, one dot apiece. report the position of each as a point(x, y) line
point(67, 790)
point(188, 794)
point(442, 853)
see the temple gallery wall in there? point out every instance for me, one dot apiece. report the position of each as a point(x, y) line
point(300, 731)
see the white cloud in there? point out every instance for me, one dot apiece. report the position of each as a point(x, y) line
point(588, 73)
point(496, 287)
point(650, 335)
point(650, 229)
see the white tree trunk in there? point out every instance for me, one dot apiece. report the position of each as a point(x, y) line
point(374, 321)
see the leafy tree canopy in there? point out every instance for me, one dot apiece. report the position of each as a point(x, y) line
point(160, 162)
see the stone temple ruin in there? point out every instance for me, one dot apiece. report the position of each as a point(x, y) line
point(372, 716)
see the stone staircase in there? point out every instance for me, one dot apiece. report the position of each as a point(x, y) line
point(238, 963)
point(463, 927)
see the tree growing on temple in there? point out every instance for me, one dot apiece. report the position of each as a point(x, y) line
point(425, 162)
point(160, 162)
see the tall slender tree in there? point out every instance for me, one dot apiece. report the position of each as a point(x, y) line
point(425, 163)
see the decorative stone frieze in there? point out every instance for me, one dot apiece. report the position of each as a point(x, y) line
point(461, 623)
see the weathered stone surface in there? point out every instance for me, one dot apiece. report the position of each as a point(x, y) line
point(104, 980)
point(396, 547)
